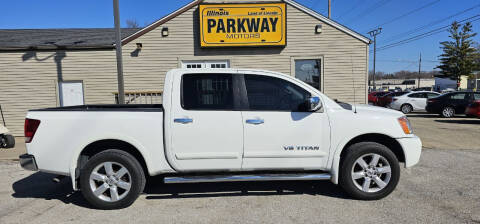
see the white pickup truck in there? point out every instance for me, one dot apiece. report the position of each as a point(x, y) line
point(221, 125)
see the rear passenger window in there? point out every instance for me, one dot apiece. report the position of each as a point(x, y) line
point(207, 92)
point(458, 96)
point(417, 95)
point(274, 94)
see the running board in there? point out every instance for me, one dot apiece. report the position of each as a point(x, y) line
point(247, 177)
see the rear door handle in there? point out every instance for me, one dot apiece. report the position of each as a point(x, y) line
point(254, 121)
point(183, 120)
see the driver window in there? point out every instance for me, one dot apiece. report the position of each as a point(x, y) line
point(273, 94)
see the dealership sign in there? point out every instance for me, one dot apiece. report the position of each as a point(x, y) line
point(242, 25)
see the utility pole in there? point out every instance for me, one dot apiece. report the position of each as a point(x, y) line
point(374, 34)
point(419, 68)
point(329, 9)
point(118, 47)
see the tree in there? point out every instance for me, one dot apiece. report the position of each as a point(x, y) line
point(458, 58)
point(132, 23)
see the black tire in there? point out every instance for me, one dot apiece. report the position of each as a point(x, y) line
point(406, 108)
point(448, 112)
point(9, 141)
point(134, 168)
point(358, 150)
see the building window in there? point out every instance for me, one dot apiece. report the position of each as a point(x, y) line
point(309, 71)
point(205, 64)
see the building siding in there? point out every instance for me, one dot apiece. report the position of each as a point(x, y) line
point(27, 84)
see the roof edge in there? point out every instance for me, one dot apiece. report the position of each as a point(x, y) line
point(291, 2)
point(328, 21)
point(161, 21)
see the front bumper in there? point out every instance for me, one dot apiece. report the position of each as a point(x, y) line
point(412, 149)
point(28, 162)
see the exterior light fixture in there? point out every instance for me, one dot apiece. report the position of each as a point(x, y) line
point(139, 46)
point(318, 28)
point(164, 31)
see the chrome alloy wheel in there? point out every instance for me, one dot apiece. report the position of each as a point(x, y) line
point(110, 181)
point(448, 112)
point(371, 173)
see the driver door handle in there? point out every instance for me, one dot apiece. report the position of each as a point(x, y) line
point(183, 120)
point(254, 121)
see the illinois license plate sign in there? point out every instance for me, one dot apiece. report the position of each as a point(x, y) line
point(223, 25)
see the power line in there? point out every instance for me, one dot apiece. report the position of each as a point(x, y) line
point(359, 2)
point(426, 34)
point(398, 36)
point(406, 61)
point(369, 10)
point(408, 13)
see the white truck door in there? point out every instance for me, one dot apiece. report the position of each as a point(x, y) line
point(207, 133)
point(277, 133)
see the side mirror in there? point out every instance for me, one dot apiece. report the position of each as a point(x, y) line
point(314, 103)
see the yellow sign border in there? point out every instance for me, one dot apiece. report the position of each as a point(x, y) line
point(281, 42)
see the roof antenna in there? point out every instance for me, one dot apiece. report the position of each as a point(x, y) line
point(353, 83)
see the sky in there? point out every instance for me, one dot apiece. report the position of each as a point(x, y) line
point(399, 19)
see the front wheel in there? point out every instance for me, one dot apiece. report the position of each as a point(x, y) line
point(369, 171)
point(112, 179)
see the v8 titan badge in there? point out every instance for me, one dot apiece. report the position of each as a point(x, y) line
point(227, 25)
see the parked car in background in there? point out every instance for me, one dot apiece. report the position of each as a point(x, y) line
point(373, 97)
point(413, 101)
point(473, 109)
point(448, 90)
point(449, 104)
point(386, 99)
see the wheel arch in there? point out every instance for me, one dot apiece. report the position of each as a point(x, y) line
point(383, 139)
point(98, 146)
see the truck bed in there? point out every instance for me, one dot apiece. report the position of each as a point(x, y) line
point(109, 107)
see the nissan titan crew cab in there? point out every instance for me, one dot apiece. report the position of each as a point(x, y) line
point(221, 125)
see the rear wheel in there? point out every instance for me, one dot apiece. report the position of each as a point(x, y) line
point(112, 179)
point(369, 171)
point(406, 108)
point(7, 141)
point(448, 112)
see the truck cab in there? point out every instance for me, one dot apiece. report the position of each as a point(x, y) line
point(222, 125)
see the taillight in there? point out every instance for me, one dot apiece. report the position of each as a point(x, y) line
point(430, 101)
point(31, 126)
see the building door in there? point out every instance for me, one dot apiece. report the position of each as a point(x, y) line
point(71, 93)
point(278, 132)
point(206, 64)
point(309, 71)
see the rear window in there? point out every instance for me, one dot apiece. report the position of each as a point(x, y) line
point(207, 92)
point(476, 96)
point(458, 96)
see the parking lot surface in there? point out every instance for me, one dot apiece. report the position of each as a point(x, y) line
point(442, 188)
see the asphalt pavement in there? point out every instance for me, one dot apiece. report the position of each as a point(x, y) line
point(442, 188)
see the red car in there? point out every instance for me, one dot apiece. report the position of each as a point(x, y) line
point(473, 109)
point(386, 99)
point(373, 97)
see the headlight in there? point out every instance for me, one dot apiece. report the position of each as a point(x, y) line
point(405, 124)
